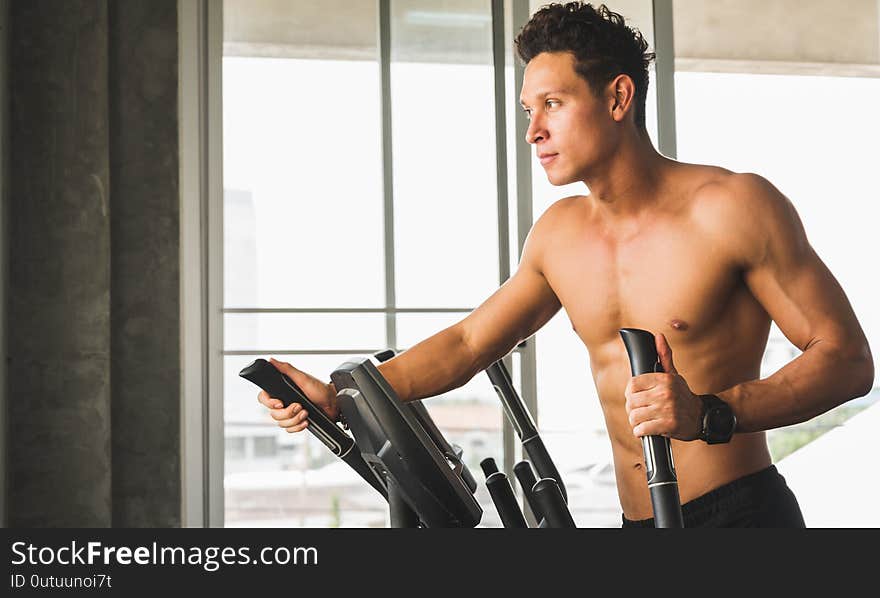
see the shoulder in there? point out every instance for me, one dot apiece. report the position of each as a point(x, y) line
point(552, 225)
point(735, 192)
point(744, 213)
point(737, 198)
point(560, 214)
point(563, 206)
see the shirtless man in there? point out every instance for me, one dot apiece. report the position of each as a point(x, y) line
point(703, 257)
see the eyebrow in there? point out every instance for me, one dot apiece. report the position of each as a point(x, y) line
point(544, 94)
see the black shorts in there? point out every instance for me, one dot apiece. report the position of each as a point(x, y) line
point(760, 499)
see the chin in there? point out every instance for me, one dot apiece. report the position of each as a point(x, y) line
point(559, 180)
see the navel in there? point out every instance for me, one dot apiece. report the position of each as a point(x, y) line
point(678, 324)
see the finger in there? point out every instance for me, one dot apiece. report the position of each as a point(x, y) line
point(652, 427)
point(639, 400)
point(305, 382)
point(644, 382)
point(640, 415)
point(664, 352)
point(282, 414)
point(270, 402)
point(287, 369)
point(298, 428)
point(293, 421)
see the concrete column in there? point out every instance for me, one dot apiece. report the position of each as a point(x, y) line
point(59, 261)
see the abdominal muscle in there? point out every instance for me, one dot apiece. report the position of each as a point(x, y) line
point(699, 467)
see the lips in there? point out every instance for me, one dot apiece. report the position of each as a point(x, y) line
point(546, 158)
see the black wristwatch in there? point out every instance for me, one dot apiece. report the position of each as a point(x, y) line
point(718, 419)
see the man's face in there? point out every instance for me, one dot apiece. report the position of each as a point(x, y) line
point(572, 130)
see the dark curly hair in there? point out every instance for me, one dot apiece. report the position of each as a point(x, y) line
point(602, 44)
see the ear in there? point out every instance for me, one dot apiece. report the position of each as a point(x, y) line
point(621, 93)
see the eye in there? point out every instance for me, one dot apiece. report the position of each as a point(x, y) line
point(528, 112)
point(551, 103)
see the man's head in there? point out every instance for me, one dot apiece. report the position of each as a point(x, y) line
point(585, 71)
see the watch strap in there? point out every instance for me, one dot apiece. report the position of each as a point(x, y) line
point(711, 401)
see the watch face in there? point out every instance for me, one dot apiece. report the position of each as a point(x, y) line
point(720, 422)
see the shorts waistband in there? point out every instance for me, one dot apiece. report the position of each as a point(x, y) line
point(718, 496)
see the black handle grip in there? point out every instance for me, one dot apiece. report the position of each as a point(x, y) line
point(543, 464)
point(505, 501)
point(662, 481)
point(266, 376)
point(552, 505)
point(667, 506)
point(488, 466)
point(526, 478)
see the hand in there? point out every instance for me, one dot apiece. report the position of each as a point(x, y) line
point(662, 404)
point(294, 418)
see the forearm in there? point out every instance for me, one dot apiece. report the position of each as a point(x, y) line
point(821, 378)
point(436, 365)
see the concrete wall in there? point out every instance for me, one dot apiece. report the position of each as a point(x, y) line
point(59, 251)
point(781, 30)
point(720, 32)
point(93, 340)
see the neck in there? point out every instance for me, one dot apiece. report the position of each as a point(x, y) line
point(631, 180)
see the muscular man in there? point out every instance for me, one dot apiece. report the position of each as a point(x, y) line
point(703, 257)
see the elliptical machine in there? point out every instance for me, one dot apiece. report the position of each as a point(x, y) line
point(397, 448)
point(399, 451)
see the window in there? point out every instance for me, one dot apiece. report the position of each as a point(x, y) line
point(302, 195)
point(265, 446)
point(235, 448)
point(307, 271)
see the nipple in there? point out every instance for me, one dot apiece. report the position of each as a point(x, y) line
point(678, 324)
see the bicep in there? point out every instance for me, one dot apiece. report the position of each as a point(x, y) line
point(514, 312)
point(802, 296)
point(788, 278)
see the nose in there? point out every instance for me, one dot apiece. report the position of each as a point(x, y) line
point(536, 131)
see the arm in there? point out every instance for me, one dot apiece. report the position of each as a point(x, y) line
point(805, 300)
point(453, 356)
point(450, 358)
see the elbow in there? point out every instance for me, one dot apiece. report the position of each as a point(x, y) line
point(863, 372)
point(867, 377)
point(472, 364)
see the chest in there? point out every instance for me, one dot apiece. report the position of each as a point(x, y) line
point(665, 278)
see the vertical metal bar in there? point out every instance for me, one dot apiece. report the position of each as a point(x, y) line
point(664, 47)
point(524, 216)
point(192, 173)
point(213, 266)
point(500, 140)
point(500, 96)
point(387, 169)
